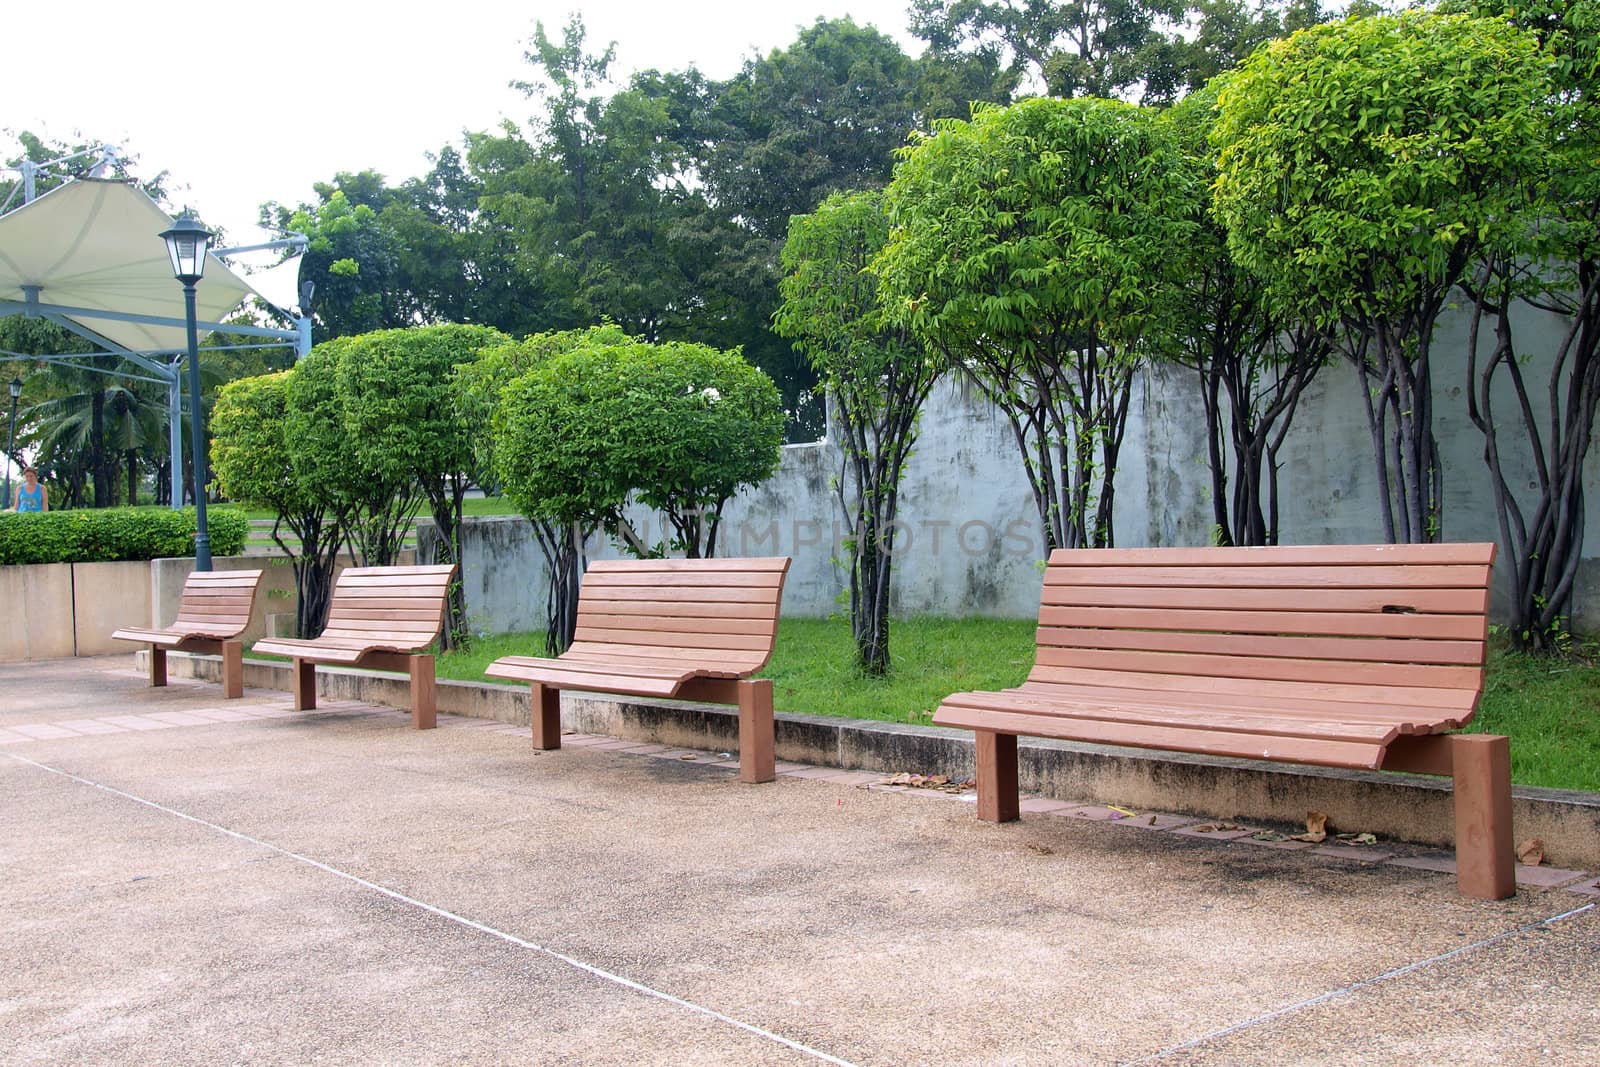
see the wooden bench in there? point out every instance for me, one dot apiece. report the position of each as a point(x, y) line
point(379, 618)
point(1355, 656)
point(213, 611)
point(692, 629)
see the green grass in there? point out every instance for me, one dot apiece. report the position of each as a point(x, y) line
point(1551, 711)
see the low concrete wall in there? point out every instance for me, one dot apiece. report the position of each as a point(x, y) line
point(38, 612)
point(105, 598)
point(168, 575)
point(1405, 807)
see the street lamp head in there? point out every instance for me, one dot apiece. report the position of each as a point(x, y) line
point(187, 241)
point(16, 388)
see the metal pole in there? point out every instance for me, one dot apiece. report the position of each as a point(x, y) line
point(11, 450)
point(175, 434)
point(202, 537)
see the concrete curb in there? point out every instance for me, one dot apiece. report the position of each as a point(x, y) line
point(1404, 807)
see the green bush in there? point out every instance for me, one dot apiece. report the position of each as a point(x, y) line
point(106, 534)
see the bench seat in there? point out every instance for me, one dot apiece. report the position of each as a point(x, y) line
point(683, 629)
point(213, 611)
point(379, 618)
point(1357, 656)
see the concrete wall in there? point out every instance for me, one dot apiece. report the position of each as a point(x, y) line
point(56, 610)
point(970, 542)
point(38, 612)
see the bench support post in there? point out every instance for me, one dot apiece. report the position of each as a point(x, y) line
point(757, 758)
point(158, 666)
point(1480, 767)
point(544, 707)
point(424, 692)
point(232, 670)
point(305, 685)
point(997, 776)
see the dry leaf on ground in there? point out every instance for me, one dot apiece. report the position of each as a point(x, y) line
point(1531, 852)
point(1316, 829)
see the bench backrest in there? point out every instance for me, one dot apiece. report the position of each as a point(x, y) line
point(398, 607)
point(707, 613)
point(217, 603)
point(1325, 621)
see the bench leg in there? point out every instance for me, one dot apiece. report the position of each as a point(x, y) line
point(1485, 853)
point(305, 685)
point(757, 761)
point(158, 666)
point(544, 706)
point(424, 693)
point(232, 670)
point(997, 776)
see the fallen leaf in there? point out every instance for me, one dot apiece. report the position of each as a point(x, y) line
point(1365, 839)
point(1316, 823)
point(1042, 850)
point(1268, 835)
point(1531, 852)
point(688, 758)
point(1121, 811)
point(1204, 828)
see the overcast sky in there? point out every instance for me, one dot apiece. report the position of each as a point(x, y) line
point(291, 91)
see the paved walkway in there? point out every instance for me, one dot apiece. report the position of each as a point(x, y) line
point(192, 880)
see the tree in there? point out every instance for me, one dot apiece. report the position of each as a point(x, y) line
point(1032, 247)
point(478, 387)
point(1253, 361)
point(1101, 48)
point(679, 427)
point(1557, 395)
point(1363, 166)
point(878, 376)
point(405, 426)
point(255, 461)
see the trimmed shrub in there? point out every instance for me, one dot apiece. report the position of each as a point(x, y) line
point(109, 534)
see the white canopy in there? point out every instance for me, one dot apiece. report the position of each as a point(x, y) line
point(95, 245)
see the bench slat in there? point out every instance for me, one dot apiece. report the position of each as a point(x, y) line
point(769, 564)
point(1299, 703)
point(685, 609)
point(1325, 623)
point(1350, 577)
point(677, 624)
point(1362, 756)
point(1395, 695)
point(682, 594)
point(1440, 601)
point(678, 640)
point(1277, 725)
point(1277, 555)
point(683, 579)
point(1288, 670)
point(1344, 649)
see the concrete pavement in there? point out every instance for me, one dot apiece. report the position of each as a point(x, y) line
point(197, 880)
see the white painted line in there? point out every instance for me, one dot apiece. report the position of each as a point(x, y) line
point(1354, 987)
point(443, 913)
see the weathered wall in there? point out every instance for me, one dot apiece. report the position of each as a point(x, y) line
point(38, 612)
point(970, 542)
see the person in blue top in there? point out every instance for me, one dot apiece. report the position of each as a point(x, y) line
point(31, 496)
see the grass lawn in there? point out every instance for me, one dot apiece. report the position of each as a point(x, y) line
point(1550, 709)
point(488, 505)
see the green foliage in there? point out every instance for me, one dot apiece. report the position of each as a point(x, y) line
point(400, 413)
point(250, 459)
point(1361, 162)
point(1034, 246)
point(679, 426)
point(107, 534)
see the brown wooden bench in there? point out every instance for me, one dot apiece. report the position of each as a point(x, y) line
point(1355, 656)
point(213, 611)
point(692, 629)
point(379, 618)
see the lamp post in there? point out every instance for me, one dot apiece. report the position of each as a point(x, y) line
point(187, 241)
point(11, 446)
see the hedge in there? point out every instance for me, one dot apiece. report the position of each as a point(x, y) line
point(104, 534)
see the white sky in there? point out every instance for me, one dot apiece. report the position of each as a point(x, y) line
point(300, 90)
